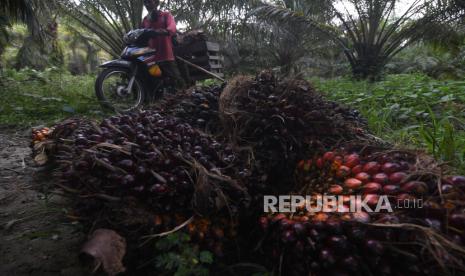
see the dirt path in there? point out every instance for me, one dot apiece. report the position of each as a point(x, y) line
point(35, 236)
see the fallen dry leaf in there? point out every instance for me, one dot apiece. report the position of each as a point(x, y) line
point(106, 248)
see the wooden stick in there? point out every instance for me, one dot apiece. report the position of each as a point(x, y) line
point(201, 69)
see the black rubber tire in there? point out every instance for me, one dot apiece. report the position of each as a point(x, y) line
point(99, 93)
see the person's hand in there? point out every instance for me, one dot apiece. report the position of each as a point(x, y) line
point(162, 31)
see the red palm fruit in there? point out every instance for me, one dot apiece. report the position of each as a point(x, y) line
point(381, 178)
point(308, 165)
point(347, 217)
point(361, 216)
point(352, 160)
point(320, 217)
point(371, 167)
point(328, 156)
point(343, 172)
point(371, 199)
point(417, 187)
point(263, 222)
point(389, 167)
point(397, 177)
point(364, 177)
point(391, 189)
point(352, 183)
point(320, 163)
point(335, 189)
point(157, 220)
point(357, 169)
point(374, 247)
point(278, 217)
point(301, 164)
point(372, 188)
point(338, 160)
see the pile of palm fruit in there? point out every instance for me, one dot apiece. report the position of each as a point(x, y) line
point(202, 159)
point(421, 235)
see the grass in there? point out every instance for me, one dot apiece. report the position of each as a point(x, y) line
point(409, 110)
point(31, 98)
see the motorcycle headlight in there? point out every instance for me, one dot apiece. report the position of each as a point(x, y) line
point(155, 71)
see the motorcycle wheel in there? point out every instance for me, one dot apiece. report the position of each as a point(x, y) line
point(111, 90)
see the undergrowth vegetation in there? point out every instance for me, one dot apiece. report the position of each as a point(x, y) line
point(31, 97)
point(409, 110)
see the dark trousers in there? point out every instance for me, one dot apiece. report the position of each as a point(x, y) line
point(171, 72)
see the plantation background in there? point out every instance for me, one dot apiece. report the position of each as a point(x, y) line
point(400, 63)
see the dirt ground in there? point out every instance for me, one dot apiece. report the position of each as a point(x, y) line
point(36, 238)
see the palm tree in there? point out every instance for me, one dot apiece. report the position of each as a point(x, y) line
point(286, 43)
point(24, 11)
point(372, 37)
point(107, 20)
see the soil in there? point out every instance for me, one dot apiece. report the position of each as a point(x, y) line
point(36, 238)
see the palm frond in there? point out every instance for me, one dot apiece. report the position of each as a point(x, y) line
point(372, 36)
point(25, 11)
point(280, 14)
point(108, 20)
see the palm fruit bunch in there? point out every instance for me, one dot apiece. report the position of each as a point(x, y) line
point(197, 106)
point(214, 234)
point(160, 160)
point(427, 239)
point(41, 134)
point(280, 122)
point(368, 175)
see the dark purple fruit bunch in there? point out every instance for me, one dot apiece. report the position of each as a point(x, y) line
point(156, 158)
point(282, 121)
point(197, 106)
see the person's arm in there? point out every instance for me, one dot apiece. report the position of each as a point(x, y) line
point(142, 23)
point(170, 24)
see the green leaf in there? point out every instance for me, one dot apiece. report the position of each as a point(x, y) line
point(206, 257)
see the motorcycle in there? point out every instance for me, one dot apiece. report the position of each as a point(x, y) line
point(126, 83)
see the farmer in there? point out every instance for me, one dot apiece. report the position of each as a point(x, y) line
point(163, 22)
